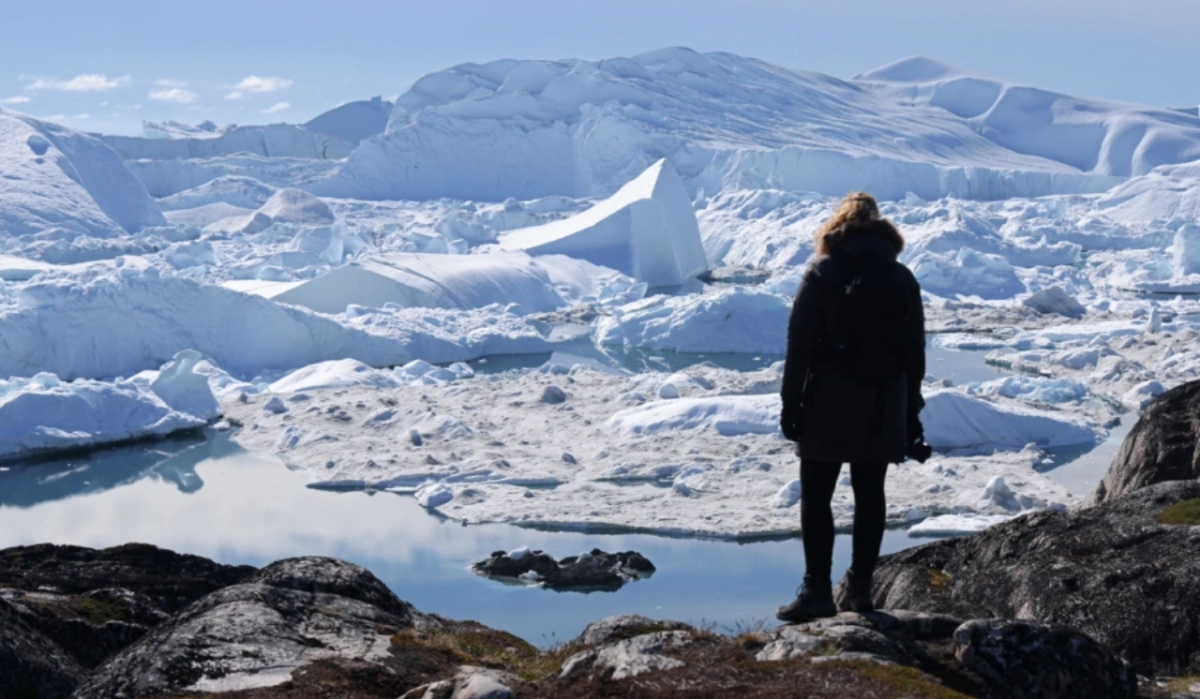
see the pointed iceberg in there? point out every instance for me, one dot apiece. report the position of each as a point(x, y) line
point(646, 230)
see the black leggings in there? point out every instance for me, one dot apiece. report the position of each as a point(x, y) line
point(817, 482)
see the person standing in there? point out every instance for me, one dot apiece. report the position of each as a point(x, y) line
point(851, 394)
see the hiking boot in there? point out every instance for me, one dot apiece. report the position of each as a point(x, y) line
point(814, 600)
point(854, 593)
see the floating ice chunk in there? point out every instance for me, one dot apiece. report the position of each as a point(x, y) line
point(460, 282)
point(727, 320)
point(341, 373)
point(1056, 300)
point(44, 414)
point(461, 370)
point(530, 576)
point(969, 273)
point(953, 525)
point(1186, 250)
point(1032, 388)
point(275, 405)
point(434, 495)
point(915, 514)
point(184, 389)
point(519, 554)
point(998, 493)
point(1142, 394)
point(668, 391)
point(417, 367)
point(646, 230)
point(788, 495)
point(726, 415)
point(1154, 322)
point(954, 421)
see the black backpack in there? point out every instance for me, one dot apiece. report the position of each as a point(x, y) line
point(868, 317)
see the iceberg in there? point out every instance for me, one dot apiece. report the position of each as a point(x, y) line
point(646, 230)
point(428, 281)
point(58, 178)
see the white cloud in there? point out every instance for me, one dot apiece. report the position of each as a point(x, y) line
point(82, 116)
point(170, 82)
point(19, 99)
point(255, 84)
point(174, 94)
point(277, 107)
point(88, 82)
point(56, 117)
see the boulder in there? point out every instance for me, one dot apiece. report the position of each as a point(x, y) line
point(1031, 661)
point(291, 614)
point(1164, 445)
point(1112, 572)
point(32, 665)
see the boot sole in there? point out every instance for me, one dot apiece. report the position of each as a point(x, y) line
point(809, 615)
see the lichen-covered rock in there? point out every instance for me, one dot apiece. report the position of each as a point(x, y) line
point(623, 626)
point(1112, 572)
point(1163, 446)
point(257, 633)
point(1032, 661)
point(886, 636)
point(629, 657)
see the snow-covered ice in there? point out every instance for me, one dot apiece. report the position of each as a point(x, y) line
point(321, 284)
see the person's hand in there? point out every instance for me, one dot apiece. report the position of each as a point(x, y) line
point(914, 431)
point(918, 451)
point(790, 419)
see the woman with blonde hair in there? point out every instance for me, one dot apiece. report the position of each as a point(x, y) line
point(851, 393)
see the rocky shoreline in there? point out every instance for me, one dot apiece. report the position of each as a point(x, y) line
point(138, 621)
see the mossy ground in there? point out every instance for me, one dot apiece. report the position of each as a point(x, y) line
point(1186, 512)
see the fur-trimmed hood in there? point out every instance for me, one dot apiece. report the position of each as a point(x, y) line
point(829, 241)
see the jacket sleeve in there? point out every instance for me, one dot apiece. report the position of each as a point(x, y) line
point(915, 351)
point(803, 329)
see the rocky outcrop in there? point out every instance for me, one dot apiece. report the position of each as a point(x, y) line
point(32, 665)
point(170, 580)
point(1113, 572)
point(305, 628)
point(257, 633)
point(1163, 446)
point(591, 571)
point(1028, 660)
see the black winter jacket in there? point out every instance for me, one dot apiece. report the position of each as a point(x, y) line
point(837, 411)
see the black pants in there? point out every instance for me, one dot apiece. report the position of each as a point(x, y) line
point(817, 482)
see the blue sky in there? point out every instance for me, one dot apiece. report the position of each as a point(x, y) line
point(106, 66)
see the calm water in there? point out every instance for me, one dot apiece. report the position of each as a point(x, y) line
point(213, 499)
point(205, 495)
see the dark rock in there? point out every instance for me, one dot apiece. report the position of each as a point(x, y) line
point(320, 575)
point(171, 580)
point(1031, 661)
point(32, 665)
point(1112, 572)
point(594, 571)
point(255, 634)
point(1163, 446)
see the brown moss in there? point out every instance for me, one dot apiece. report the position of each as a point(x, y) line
point(906, 681)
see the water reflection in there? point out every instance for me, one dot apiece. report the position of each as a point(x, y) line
point(252, 509)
